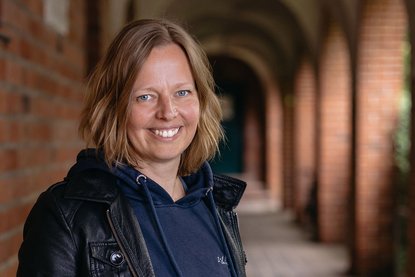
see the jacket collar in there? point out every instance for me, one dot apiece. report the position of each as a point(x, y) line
point(227, 191)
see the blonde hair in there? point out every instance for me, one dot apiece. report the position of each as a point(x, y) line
point(107, 105)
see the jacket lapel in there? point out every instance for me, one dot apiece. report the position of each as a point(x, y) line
point(127, 231)
point(97, 185)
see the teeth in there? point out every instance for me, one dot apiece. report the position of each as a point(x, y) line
point(166, 133)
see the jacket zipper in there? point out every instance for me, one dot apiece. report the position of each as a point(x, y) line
point(127, 258)
point(235, 226)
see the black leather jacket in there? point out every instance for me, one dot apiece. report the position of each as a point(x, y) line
point(84, 226)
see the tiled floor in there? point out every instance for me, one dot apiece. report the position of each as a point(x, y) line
point(276, 247)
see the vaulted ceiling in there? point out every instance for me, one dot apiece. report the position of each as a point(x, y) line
point(274, 32)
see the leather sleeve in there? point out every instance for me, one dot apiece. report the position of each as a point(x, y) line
point(48, 248)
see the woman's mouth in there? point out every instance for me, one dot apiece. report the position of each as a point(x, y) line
point(166, 133)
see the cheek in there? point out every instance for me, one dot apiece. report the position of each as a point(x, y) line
point(133, 129)
point(130, 131)
point(196, 110)
point(195, 115)
point(130, 127)
point(135, 120)
point(190, 112)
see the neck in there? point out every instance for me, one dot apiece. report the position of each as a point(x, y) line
point(165, 174)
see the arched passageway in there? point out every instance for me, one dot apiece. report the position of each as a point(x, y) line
point(243, 101)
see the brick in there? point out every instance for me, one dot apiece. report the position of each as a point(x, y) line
point(66, 154)
point(25, 184)
point(13, 72)
point(10, 247)
point(39, 131)
point(2, 69)
point(13, 217)
point(33, 156)
point(13, 188)
point(9, 159)
point(11, 13)
point(35, 7)
point(10, 130)
point(3, 101)
point(10, 269)
point(14, 103)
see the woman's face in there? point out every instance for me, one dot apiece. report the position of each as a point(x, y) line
point(165, 106)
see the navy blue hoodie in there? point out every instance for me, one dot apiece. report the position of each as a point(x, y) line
point(184, 238)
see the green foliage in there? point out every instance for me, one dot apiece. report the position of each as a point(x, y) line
point(402, 137)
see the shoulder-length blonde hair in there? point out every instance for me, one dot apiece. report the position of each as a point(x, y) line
point(107, 108)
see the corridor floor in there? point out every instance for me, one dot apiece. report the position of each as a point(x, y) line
point(276, 247)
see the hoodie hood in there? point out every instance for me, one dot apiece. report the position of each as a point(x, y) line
point(88, 159)
point(196, 186)
point(227, 191)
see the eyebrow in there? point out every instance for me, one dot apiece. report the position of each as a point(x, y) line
point(152, 89)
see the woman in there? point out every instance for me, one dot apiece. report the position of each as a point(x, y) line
point(144, 202)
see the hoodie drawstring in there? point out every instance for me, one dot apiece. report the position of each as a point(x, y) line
point(142, 180)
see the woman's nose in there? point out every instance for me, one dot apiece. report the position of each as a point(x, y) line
point(166, 109)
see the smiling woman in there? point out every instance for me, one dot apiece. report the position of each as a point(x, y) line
point(164, 117)
point(143, 201)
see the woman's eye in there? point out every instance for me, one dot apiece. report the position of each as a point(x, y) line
point(183, 92)
point(144, 97)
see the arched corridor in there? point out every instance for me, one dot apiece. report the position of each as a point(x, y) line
point(243, 101)
point(317, 112)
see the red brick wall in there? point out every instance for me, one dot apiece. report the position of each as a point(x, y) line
point(41, 87)
point(380, 78)
point(334, 137)
point(304, 139)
